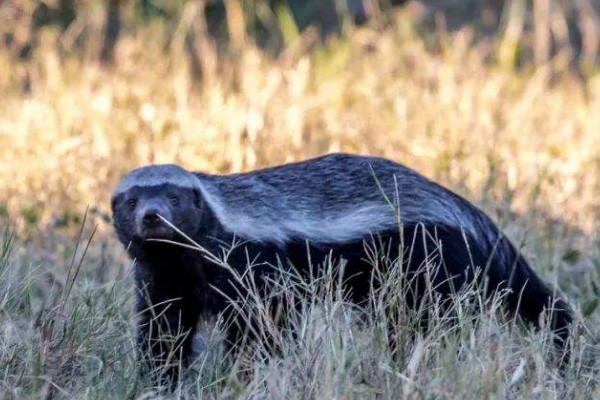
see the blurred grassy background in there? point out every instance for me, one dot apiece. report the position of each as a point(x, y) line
point(499, 100)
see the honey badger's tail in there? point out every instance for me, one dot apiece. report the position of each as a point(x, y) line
point(504, 268)
point(531, 298)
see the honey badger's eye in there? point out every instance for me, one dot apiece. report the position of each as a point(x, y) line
point(131, 203)
point(174, 199)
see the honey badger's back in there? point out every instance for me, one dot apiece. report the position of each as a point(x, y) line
point(334, 198)
point(339, 199)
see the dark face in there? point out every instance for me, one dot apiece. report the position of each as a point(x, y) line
point(137, 213)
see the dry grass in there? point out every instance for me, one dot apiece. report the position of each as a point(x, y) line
point(525, 146)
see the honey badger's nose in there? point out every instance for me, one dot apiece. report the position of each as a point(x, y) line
point(149, 223)
point(150, 218)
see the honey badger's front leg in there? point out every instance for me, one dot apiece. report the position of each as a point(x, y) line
point(168, 315)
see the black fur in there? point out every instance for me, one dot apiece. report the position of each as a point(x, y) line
point(179, 285)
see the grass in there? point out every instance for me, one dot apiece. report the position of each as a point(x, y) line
point(524, 145)
point(76, 341)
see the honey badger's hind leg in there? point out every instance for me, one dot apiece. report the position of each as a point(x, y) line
point(439, 259)
point(459, 255)
point(536, 303)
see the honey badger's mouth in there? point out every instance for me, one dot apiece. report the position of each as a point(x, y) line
point(159, 231)
point(152, 225)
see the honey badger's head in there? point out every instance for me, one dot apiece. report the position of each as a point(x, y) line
point(166, 190)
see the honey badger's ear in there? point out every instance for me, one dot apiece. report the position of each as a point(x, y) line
point(113, 203)
point(197, 197)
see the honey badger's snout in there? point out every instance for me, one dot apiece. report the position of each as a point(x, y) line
point(149, 225)
point(150, 218)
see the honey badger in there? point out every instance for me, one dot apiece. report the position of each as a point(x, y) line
point(300, 213)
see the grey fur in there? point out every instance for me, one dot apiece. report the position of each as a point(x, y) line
point(333, 198)
point(154, 175)
point(330, 199)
